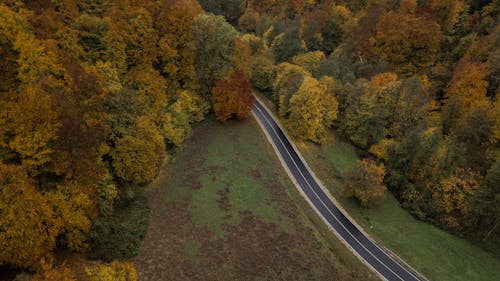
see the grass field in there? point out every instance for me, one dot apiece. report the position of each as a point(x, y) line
point(433, 252)
point(224, 209)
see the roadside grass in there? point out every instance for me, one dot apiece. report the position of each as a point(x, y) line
point(224, 209)
point(436, 254)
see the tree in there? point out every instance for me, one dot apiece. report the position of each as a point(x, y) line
point(368, 117)
point(446, 12)
point(115, 271)
point(288, 80)
point(174, 21)
point(137, 157)
point(454, 194)
point(213, 45)
point(468, 87)
point(33, 123)
point(74, 207)
point(187, 109)
point(248, 21)
point(263, 73)
point(485, 211)
point(233, 97)
point(365, 182)
point(309, 61)
point(49, 272)
point(230, 9)
point(28, 225)
point(410, 43)
point(287, 44)
point(312, 110)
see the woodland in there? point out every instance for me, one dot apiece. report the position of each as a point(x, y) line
point(96, 95)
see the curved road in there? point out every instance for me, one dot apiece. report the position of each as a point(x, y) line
point(362, 246)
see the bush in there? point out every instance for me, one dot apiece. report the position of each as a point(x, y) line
point(119, 235)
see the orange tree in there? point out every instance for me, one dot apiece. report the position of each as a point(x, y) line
point(233, 98)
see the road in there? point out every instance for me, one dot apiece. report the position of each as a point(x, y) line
point(382, 263)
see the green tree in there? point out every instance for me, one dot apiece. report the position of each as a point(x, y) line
point(214, 45)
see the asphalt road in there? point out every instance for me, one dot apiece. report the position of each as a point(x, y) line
point(365, 248)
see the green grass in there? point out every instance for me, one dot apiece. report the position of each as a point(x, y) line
point(433, 252)
point(224, 209)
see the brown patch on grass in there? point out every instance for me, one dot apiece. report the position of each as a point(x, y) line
point(223, 200)
point(255, 248)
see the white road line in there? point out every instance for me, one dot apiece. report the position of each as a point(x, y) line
point(327, 208)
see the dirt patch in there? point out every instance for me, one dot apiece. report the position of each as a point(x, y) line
point(254, 248)
point(223, 199)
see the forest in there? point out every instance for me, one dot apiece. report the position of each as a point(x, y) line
point(96, 95)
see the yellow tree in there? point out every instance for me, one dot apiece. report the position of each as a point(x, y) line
point(28, 224)
point(309, 61)
point(408, 42)
point(454, 194)
point(365, 182)
point(137, 157)
point(187, 109)
point(33, 123)
point(176, 58)
point(73, 206)
point(312, 110)
point(115, 271)
point(469, 85)
point(288, 80)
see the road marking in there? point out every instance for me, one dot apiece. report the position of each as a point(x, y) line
point(329, 210)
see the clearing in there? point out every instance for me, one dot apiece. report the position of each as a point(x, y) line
point(224, 209)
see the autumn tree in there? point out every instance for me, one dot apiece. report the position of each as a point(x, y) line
point(466, 91)
point(187, 109)
point(233, 97)
point(446, 12)
point(50, 272)
point(248, 20)
point(309, 61)
point(138, 156)
point(312, 110)
point(409, 42)
point(28, 228)
point(263, 73)
point(454, 193)
point(365, 182)
point(213, 45)
point(368, 116)
point(176, 55)
point(288, 80)
point(117, 270)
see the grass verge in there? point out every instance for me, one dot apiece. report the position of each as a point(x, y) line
point(433, 252)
